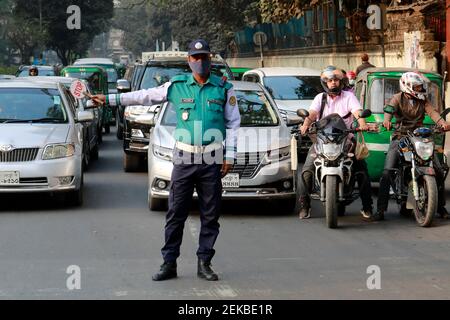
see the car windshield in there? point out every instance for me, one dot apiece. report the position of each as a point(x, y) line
point(31, 105)
point(155, 76)
point(93, 78)
point(387, 87)
point(254, 107)
point(42, 72)
point(293, 87)
point(158, 75)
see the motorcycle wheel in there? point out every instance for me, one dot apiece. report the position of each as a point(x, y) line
point(426, 207)
point(331, 204)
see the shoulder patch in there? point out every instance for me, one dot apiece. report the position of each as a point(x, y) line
point(179, 78)
point(232, 101)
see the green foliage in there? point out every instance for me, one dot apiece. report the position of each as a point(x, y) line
point(8, 70)
point(214, 20)
point(52, 31)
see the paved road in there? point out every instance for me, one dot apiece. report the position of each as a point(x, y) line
point(261, 254)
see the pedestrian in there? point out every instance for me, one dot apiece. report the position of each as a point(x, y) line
point(207, 116)
point(365, 64)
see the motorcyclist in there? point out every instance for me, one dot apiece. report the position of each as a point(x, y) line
point(344, 103)
point(409, 107)
point(33, 71)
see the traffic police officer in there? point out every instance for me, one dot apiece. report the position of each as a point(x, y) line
point(207, 116)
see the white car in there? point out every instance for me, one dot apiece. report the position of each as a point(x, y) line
point(291, 88)
point(41, 139)
point(262, 169)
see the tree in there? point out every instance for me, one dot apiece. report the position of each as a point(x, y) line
point(143, 23)
point(216, 21)
point(183, 21)
point(95, 18)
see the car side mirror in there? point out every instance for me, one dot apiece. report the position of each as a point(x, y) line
point(85, 116)
point(123, 85)
point(366, 113)
point(293, 120)
point(302, 113)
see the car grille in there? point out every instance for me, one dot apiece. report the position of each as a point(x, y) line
point(247, 164)
point(19, 155)
point(40, 180)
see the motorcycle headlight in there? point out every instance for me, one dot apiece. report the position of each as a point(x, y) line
point(163, 153)
point(136, 110)
point(57, 151)
point(277, 155)
point(332, 150)
point(424, 149)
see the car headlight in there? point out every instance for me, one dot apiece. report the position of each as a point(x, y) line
point(277, 155)
point(136, 110)
point(332, 150)
point(424, 149)
point(57, 151)
point(163, 153)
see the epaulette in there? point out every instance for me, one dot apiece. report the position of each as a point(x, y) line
point(222, 82)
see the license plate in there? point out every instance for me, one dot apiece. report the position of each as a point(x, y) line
point(230, 181)
point(9, 177)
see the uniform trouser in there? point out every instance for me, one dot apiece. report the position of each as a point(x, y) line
point(206, 178)
point(359, 169)
point(392, 162)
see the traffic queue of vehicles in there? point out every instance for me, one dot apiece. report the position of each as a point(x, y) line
point(61, 134)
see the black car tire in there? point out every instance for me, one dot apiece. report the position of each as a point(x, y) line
point(100, 135)
point(131, 162)
point(155, 204)
point(94, 153)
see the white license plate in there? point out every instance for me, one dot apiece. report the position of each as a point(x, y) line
point(9, 177)
point(230, 181)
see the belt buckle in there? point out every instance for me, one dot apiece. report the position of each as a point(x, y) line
point(198, 149)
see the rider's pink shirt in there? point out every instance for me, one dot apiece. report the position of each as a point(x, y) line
point(343, 104)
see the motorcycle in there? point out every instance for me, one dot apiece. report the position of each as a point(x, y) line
point(334, 182)
point(414, 181)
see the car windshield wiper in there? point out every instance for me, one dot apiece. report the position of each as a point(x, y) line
point(50, 120)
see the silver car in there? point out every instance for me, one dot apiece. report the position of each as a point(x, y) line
point(41, 139)
point(262, 169)
point(92, 131)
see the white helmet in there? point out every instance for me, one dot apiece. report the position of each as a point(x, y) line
point(411, 79)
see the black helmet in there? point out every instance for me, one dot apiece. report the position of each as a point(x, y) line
point(331, 72)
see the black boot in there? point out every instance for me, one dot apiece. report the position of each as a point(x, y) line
point(168, 271)
point(305, 208)
point(204, 271)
